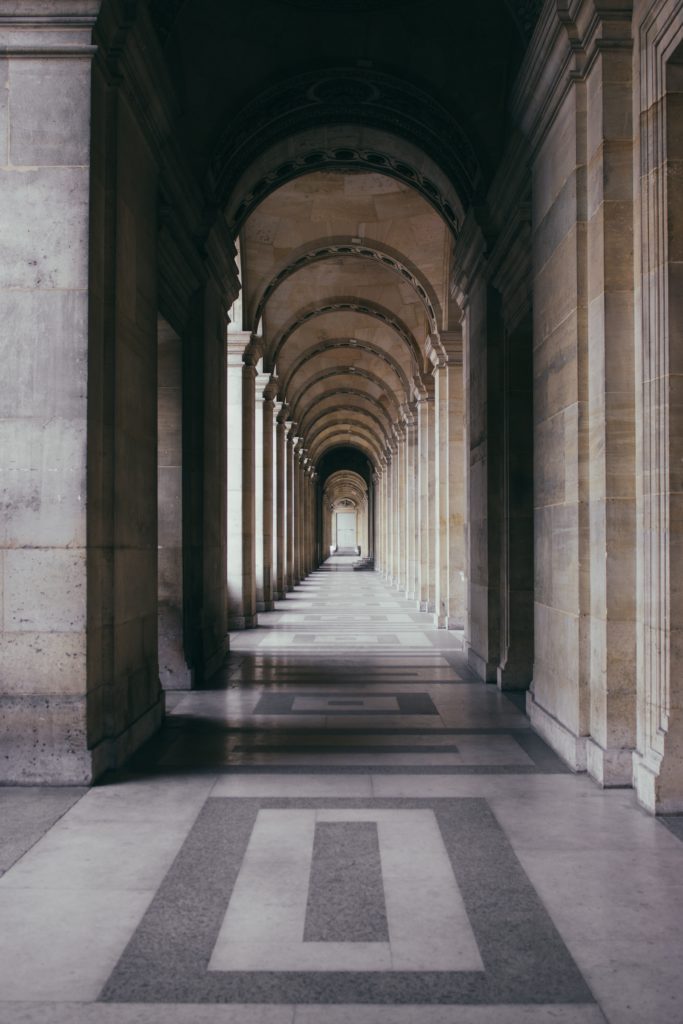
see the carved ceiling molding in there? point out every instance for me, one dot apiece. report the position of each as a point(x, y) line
point(364, 251)
point(345, 306)
point(346, 96)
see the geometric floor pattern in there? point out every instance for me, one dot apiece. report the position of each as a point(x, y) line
point(347, 827)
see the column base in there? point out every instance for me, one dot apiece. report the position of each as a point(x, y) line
point(113, 752)
point(216, 659)
point(651, 789)
point(571, 748)
point(441, 621)
point(239, 622)
point(486, 670)
point(454, 624)
point(509, 678)
point(611, 767)
point(264, 606)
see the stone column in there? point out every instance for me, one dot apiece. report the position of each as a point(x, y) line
point(379, 523)
point(280, 509)
point(424, 394)
point(174, 671)
point(412, 518)
point(265, 393)
point(261, 381)
point(401, 553)
point(611, 413)
point(446, 355)
point(242, 356)
point(289, 530)
point(457, 604)
point(45, 156)
point(658, 760)
point(440, 510)
point(391, 512)
point(484, 328)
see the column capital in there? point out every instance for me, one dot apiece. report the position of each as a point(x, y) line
point(243, 347)
point(270, 391)
point(423, 388)
point(407, 411)
point(445, 349)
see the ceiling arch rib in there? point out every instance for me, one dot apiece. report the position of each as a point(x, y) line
point(298, 399)
point(369, 430)
point(355, 400)
point(357, 347)
point(350, 96)
point(342, 304)
point(367, 249)
point(341, 415)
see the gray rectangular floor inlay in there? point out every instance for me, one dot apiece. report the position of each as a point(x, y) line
point(524, 958)
point(328, 704)
point(346, 894)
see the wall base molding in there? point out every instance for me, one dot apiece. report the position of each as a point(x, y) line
point(571, 748)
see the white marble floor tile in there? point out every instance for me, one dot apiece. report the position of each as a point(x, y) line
point(56, 945)
point(142, 1013)
point(293, 785)
point(359, 1014)
point(121, 856)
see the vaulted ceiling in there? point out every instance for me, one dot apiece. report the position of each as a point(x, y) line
point(344, 140)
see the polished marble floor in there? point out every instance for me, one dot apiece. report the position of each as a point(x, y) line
point(348, 828)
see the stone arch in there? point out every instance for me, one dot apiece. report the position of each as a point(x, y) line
point(349, 304)
point(367, 249)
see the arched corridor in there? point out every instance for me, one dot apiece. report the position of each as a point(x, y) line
point(340, 463)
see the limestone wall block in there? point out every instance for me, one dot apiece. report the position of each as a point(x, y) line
point(556, 663)
point(556, 369)
point(43, 663)
point(42, 485)
point(47, 98)
point(44, 737)
point(557, 157)
point(44, 590)
point(49, 235)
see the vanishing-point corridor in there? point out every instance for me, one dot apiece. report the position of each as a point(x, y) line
point(347, 827)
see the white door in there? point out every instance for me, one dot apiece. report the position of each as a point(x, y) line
point(346, 529)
